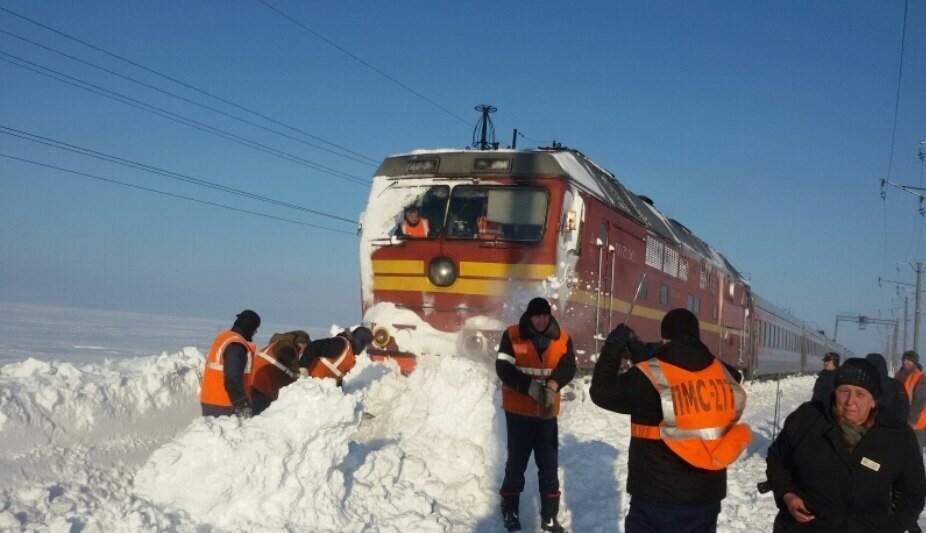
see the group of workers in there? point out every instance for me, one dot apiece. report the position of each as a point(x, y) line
point(848, 460)
point(240, 380)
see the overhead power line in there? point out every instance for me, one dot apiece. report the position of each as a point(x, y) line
point(185, 84)
point(138, 104)
point(903, 38)
point(155, 170)
point(172, 195)
point(365, 63)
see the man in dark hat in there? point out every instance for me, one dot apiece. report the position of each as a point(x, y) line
point(893, 398)
point(911, 377)
point(677, 462)
point(823, 387)
point(226, 387)
point(535, 361)
point(334, 357)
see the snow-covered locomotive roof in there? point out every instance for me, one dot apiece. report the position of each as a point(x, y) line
point(553, 162)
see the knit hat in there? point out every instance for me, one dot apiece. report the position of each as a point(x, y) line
point(832, 356)
point(861, 373)
point(680, 323)
point(247, 321)
point(361, 337)
point(538, 306)
point(911, 355)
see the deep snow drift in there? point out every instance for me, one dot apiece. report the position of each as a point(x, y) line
point(119, 446)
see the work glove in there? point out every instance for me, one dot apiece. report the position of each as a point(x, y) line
point(620, 337)
point(243, 408)
point(537, 391)
point(549, 402)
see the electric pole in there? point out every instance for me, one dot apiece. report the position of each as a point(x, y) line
point(916, 311)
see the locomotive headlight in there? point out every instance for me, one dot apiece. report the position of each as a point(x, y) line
point(442, 272)
point(381, 337)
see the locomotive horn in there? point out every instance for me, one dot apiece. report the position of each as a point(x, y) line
point(634, 302)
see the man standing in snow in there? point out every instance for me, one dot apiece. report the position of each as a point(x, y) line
point(535, 361)
point(911, 377)
point(678, 457)
point(823, 387)
point(226, 388)
point(275, 367)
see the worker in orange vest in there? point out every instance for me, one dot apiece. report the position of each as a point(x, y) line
point(275, 367)
point(684, 406)
point(226, 386)
point(335, 357)
point(535, 361)
point(911, 377)
point(414, 226)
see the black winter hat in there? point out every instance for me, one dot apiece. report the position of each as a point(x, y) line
point(911, 355)
point(679, 323)
point(247, 321)
point(361, 337)
point(538, 306)
point(861, 373)
point(832, 356)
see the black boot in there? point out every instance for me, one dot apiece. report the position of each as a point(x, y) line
point(510, 512)
point(549, 508)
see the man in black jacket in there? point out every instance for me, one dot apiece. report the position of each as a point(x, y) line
point(667, 493)
point(823, 387)
point(893, 397)
point(535, 361)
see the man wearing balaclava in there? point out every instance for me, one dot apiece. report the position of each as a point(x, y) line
point(226, 388)
point(684, 405)
point(535, 361)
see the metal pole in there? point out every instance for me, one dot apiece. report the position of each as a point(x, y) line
point(916, 312)
point(836, 329)
point(514, 139)
point(893, 355)
point(906, 320)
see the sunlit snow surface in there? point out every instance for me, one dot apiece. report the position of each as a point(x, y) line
point(117, 445)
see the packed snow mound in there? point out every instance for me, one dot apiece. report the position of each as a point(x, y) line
point(427, 460)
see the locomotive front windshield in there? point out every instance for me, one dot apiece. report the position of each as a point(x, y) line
point(475, 212)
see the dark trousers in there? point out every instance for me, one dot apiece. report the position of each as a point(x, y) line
point(647, 516)
point(528, 434)
point(216, 410)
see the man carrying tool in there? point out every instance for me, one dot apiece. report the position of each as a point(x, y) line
point(684, 405)
point(535, 361)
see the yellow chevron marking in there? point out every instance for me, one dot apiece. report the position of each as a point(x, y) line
point(506, 270)
point(398, 266)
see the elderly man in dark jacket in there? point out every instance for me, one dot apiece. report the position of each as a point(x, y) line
point(893, 397)
point(843, 466)
point(667, 493)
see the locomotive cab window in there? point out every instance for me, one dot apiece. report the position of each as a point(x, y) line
point(415, 212)
point(497, 213)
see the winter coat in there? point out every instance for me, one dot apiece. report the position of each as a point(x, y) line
point(879, 486)
point(918, 401)
point(893, 396)
point(654, 471)
point(823, 387)
point(509, 374)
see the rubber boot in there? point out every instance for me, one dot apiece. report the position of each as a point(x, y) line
point(549, 508)
point(510, 511)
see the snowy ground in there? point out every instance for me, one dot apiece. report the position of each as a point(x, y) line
point(116, 444)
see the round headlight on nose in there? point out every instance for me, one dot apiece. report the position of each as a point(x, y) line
point(442, 272)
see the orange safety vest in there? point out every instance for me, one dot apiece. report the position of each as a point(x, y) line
point(334, 367)
point(909, 384)
point(527, 360)
point(419, 231)
point(700, 412)
point(269, 375)
point(213, 388)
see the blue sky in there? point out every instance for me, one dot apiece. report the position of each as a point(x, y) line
point(763, 126)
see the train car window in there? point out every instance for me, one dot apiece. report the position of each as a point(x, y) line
point(497, 213)
point(664, 294)
point(393, 203)
point(644, 289)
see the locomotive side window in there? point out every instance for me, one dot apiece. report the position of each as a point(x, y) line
point(644, 289)
point(497, 213)
point(430, 204)
point(664, 294)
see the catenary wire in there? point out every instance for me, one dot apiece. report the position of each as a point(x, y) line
point(903, 38)
point(172, 195)
point(132, 102)
point(156, 170)
point(365, 63)
point(184, 84)
point(190, 101)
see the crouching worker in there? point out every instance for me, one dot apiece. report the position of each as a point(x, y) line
point(335, 356)
point(684, 406)
point(226, 387)
point(275, 367)
point(535, 360)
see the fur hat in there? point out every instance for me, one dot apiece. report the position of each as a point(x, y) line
point(911, 355)
point(680, 323)
point(538, 306)
point(861, 373)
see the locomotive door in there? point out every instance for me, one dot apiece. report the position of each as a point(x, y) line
point(605, 283)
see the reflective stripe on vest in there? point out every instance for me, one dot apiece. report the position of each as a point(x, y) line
point(325, 367)
point(212, 391)
point(270, 359)
point(526, 360)
point(700, 414)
